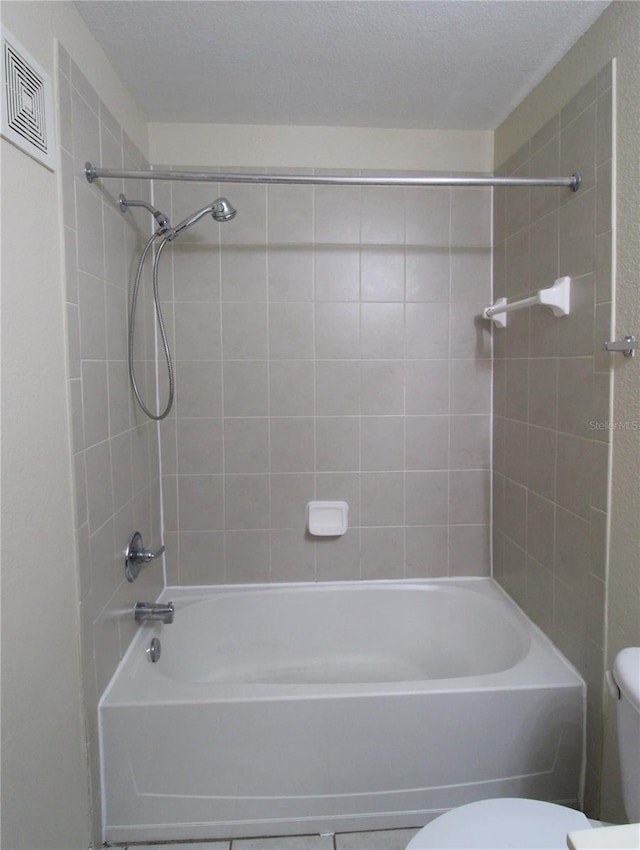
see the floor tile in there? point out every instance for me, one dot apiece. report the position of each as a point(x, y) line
point(291, 842)
point(199, 845)
point(388, 839)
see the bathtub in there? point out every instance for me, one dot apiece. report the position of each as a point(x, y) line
point(287, 709)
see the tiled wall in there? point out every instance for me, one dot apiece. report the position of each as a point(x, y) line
point(552, 388)
point(327, 347)
point(115, 449)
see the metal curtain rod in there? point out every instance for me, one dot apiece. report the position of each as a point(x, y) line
point(93, 172)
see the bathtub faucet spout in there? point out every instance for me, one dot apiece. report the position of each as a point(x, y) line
point(154, 611)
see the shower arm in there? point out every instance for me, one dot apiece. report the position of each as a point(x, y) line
point(160, 217)
point(93, 172)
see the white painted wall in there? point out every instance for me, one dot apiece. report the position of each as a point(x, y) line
point(45, 802)
point(228, 145)
point(615, 34)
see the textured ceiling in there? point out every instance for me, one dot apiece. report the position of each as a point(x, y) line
point(459, 64)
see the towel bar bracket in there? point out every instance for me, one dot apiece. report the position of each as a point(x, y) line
point(627, 346)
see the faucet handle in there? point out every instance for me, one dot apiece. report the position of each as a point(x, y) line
point(136, 556)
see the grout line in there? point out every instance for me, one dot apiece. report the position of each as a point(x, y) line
point(314, 368)
point(267, 296)
point(225, 572)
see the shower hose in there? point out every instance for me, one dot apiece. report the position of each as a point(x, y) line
point(161, 326)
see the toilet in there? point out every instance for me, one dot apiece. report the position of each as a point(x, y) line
point(520, 824)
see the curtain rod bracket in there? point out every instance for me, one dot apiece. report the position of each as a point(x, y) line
point(90, 172)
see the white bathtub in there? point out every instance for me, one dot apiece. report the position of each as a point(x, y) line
point(318, 708)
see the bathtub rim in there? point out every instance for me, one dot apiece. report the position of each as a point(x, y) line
point(541, 653)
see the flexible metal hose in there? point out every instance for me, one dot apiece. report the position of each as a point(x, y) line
point(160, 319)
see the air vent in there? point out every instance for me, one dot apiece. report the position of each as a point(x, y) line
point(27, 106)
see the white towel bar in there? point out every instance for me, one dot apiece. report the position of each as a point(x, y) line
point(558, 297)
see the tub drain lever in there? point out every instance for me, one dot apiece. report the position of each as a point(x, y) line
point(136, 556)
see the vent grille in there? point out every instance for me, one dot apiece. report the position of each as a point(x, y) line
point(27, 114)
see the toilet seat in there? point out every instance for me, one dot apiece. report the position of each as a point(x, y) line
point(502, 824)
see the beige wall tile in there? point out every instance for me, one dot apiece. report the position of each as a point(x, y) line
point(427, 214)
point(290, 214)
point(382, 388)
point(244, 331)
point(381, 331)
point(469, 442)
point(197, 331)
point(337, 329)
point(291, 387)
point(90, 234)
point(290, 274)
point(196, 269)
point(338, 558)
point(382, 496)
point(337, 215)
point(471, 217)
point(577, 234)
point(337, 387)
point(291, 331)
point(335, 325)
point(198, 389)
point(292, 556)
point(343, 487)
point(426, 333)
point(289, 496)
point(246, 500)
point(382, 274)
point(337, 273)
point(550, 520)
point(246, 445)
point(246, 388)
point(470, 383)
point(200, 502)
point(382, 553)
point(387, 229)
point(247, 556)
point(427, 551)
point(469, 550)
point(427, 386)
point(427, 442)
point(337, 443)
point(427, 498)
point(382, 443)
point(427, 273)
point(202, 557)
point(468, 497)
point(292, 444)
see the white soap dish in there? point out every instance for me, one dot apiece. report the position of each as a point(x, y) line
point(327, 519)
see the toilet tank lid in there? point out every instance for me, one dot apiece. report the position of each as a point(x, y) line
point(626, 672)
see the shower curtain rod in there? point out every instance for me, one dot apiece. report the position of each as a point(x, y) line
point(94, 172)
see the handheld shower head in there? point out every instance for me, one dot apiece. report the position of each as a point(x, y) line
point(222, 210)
